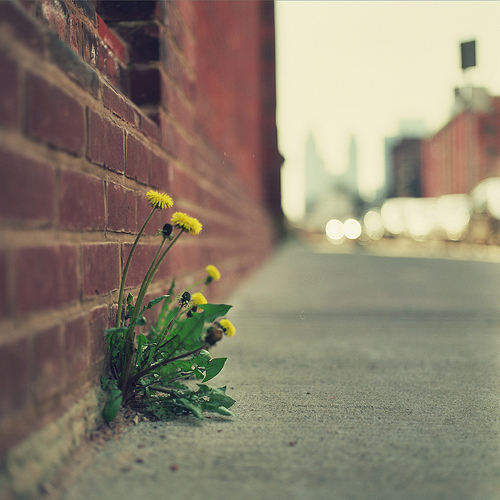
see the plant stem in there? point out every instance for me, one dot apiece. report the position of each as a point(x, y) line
point(127, 265)
point(153, 268)
point(140, 374)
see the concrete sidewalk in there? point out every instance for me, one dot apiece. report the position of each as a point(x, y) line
point(356, 377)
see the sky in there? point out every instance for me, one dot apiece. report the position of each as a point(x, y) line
point(357, 68)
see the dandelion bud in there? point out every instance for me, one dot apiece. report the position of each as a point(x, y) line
point(185, 298)
point(167, 230)
point(213, 336)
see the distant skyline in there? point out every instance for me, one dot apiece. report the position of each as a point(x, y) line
point(357, 68)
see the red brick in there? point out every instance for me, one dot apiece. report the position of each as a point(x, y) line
point(9, 97)
point(169, 135)
point(100, 269)
point(137, 163)
point(45, 277)
point(111, 40)
point(106, 144)
point(121, 208)
point(28, 187)
point(24, 28)
point(77, 347)
point(81, 201)
point(182, 185)
point(49, 376)
point(99, 321)
point(69, 283)
point(4, 286)
point(90, 46)
point(149, 128)
point(143, 256)
point(15, 375)
point(117, 104)
point(187, 12)
point(160, 173)
point(54, 116)
point(57, 16)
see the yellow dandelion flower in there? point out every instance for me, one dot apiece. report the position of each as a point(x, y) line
point(228, 327)
point(213, 273)
point(198, 299)
point(186, 223)
point(159, 200)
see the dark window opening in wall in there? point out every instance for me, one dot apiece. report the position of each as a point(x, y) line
point(139, 25)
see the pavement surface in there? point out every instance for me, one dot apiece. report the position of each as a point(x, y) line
point(357, 376)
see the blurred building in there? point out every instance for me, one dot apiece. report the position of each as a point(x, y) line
point(403, 160)
point(317, 180)
point(467, 149)
point(406, 163)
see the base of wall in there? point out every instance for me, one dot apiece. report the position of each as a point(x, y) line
point(29, 467)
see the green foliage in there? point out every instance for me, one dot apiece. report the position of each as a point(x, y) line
point(165, 361)
point(154, 371)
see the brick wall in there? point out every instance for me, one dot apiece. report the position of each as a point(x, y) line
point(99, 102)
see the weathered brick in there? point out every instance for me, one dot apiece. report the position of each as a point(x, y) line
point(81, 201)
point(100, 269)
point(28, 187)
point(15, 374)
point(99, 321)
point(117, 104)
point(90, 46)
point(137, 162)
point(71, 63)
point(45, 277)
point(160, 173)
point(49, 362)
point(54, 116)
point(111, 40)
point(9, 97)
point(121, 208)
point(77, 346)
point(106, 143)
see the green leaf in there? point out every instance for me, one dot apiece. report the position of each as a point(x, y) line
point(162, 318)
point(214, 311)
point(223, 411)
point(115, 330)
point(111, 408)
point(152, 303)
point(104, 383)
point(213, 368)
point(194, 409)
point(191, 329)
point(130, 298)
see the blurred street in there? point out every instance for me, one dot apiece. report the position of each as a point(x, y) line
point(356, 376)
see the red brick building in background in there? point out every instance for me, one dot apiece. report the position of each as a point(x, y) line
point(467, 149)
point(101, 101)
